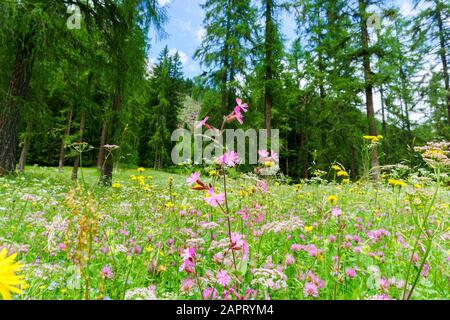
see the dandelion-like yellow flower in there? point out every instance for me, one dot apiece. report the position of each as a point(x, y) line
point(335, 167)
point(213, 173)
point(308, 228)
point(116, 185)
point(373, 139)
point(397, 183)
point(9, 280)
point(297, 187)
point(343, 174)
point(332, 199)
point(140, 169)
point(169, 205)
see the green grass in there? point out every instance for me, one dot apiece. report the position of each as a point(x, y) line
point(66, 233)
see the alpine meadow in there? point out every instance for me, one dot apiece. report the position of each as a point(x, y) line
point(224, 150)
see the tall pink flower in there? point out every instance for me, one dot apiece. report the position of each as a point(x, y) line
point(193, 178)
point(214, 199)
point(188, 256)
point(230, 159)
point(202, 122)
point(242, 106)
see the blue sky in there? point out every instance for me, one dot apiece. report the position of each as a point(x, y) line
point(184, 29)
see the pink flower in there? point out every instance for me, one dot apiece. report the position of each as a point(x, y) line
point(336, 212)
point(263, 153)
point(193, 178)
point(290, 260)
point(214, 199)
point(230, 159)
point(223, 278)
point(202, 123)
point(242, 106)
point(186, 284)
point(425, 271)
point(209, 293)
point(188, 256)
point(264, 156)
point(62, 246)
point(351, 273)
point(310, 290)
point(107, 272)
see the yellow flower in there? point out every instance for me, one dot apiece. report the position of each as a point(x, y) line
point(213, 173)
point(116, 185)
point(140, 169)
point(169, 205)
point(297, 187)
point(332, 199)
point(343, 174)
point(9, 280)
point(336, 167)
point(308, 228)
point(417, 186)
point(397, 183)
point(268, 164)
point(346, 181)
point(373, 139)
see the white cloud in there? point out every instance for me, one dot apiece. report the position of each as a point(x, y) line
point(164, 3)
point(183, 56)
point(201, 33)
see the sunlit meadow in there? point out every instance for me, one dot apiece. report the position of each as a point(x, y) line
point(215, 233)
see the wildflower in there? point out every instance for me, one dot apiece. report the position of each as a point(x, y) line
point(373, 139)
point(289, 260)
point(193, 178)
point(223, 278)
point(209, 293)
point(9, 280)
point(169, 205)
point(332, 199)
point(202, 123)
point(188, 256)
point(241, 106)
point(308, 228)
point(336, 167)
point(214, 199)
point(213, 173)
point(116, 185)
point(342, 174)
point(396, 183)
point(310, 290)
point(140, 169)
point(336, 212)
point(186, 284)
point(351, 273)
point(107, 272)
point(230, 159)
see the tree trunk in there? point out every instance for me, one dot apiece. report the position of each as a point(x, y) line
point(23, 153)
point(226, 62)
point(63, 140)
point(76, 164)
point(268, 69)
point(383, 122)
point(9, 116)
point(107, 167)
point(101, 149)
point(375, 168)
point(443, 58)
